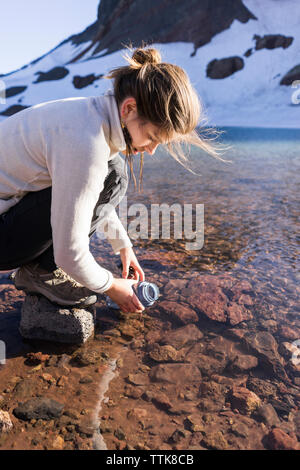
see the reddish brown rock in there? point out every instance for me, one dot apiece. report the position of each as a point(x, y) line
point(220, 298)
point(279, 440)
point(175, 373)
point(179, 312)
point(264, 345)
point(208, 297)
point(243, 400)
point(183, 336)
point(165, 353)
point(36, 358)
point(237, 313)
point(289, 333)
point(243, 362)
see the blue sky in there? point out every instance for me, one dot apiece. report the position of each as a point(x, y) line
point(30, 28)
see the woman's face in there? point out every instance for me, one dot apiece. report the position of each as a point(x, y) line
point(144, 135)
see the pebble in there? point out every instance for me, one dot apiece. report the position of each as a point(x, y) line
point(5, 422)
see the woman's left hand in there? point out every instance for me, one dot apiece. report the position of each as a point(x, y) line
point(128, 259)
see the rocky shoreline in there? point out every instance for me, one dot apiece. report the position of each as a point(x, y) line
point(198, 370)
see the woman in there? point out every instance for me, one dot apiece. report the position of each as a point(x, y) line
point(60, 167)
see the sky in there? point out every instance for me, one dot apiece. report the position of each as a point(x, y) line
point(30, 28)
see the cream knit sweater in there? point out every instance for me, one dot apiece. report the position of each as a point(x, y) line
point(65, 144)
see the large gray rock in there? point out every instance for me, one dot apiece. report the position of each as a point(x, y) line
point(41, 319)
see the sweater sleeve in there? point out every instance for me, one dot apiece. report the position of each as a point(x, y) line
point(78, 166)
point(116, 233)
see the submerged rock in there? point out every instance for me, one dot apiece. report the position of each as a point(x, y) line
point(183, 336)
point(279, 440)
point(243, 400)
point(222, 299)
point(175, 373)
point(178, 312)
point(39, 408)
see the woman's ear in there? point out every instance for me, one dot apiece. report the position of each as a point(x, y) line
point(128, 106)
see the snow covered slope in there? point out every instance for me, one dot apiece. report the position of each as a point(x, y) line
point(251, 96)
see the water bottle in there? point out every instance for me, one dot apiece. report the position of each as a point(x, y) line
point(146, 292)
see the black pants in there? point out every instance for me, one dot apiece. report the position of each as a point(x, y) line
point(25, 229)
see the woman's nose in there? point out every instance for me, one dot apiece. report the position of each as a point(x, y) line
point(151, 148)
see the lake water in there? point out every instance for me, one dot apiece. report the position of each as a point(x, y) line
point(211, 365)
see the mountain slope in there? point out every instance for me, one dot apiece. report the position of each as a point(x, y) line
point(237, 57)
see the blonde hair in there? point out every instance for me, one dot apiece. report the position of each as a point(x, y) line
point(166, 98)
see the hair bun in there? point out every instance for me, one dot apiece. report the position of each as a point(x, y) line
point(146, 56)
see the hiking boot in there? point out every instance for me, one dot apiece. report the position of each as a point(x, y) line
point(57, 286)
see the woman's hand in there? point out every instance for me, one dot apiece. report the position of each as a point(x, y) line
point(122, 294)
point(128, 259)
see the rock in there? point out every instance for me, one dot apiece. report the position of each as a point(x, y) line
point(165, 353)
point(264, 345)
point(120, 434)
point(214, 440)
point(44, 320)
point(48, 378)
point(177, 436)
point(36, 358)
point(133, 392)
point(267, 415)
point(194, 424)
point(289, 333)
point(175, 373)
point(183, 336)
point(58, 443)
point(220, 298)
point(24, 388)
point(239, 430)
point(5, 422)
point(137, 413)
point(244, 400)
point(237, 313)
point(279, 440)
point(292, 75)
point(128, 331)
point(87, 379)
point(243, 363)
point(212, 396)
point(86, 357)
point(182, 409)
point(208, 365)
point(62, 381)
point(222, 68)
point(82, 82)
point(56, 73)
point(208, 297)
point(272, 41)
point(263, 388)
point(178, 312)
point(161, 400)
point(39, 408)
point(173, 287)
point(86, 428)
point(137, 379)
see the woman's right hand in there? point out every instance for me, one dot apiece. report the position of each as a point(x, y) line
point(122, 294)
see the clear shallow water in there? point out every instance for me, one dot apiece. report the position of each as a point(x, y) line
point(251, 207)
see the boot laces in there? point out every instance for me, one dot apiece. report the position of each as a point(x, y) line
point(60, 274)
